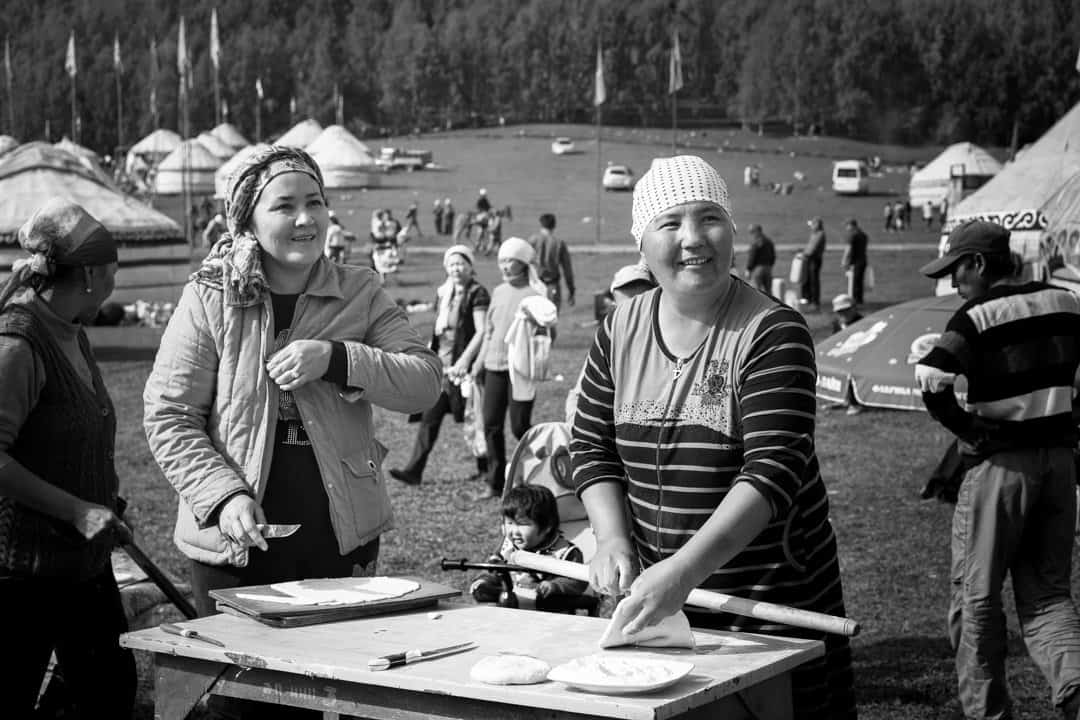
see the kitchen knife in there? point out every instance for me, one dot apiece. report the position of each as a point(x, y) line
point(271, 532)
point(404, 658)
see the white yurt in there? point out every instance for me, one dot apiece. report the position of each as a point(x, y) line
point(152, 249)
point(218, 148)
point(191, 164)
point(223, 173)
point(230, 135)
point(301, 134)
point(7, 143)
point(345, 161)
point(151, 150)
point(932, 183)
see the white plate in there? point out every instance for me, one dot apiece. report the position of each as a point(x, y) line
point(612, 674)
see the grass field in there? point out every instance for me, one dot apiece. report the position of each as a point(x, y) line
point(893, 546)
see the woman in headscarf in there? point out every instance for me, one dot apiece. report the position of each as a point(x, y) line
point(58, 486)
point(697, 412)
point(461, 305)
point(517, 263)
point(258, 409)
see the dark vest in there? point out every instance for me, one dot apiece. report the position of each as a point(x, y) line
point(67, 440)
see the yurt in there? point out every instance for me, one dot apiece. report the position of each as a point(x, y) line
point(7, 143)
point(155, 146)
point(223, 173)
point(218, 148)
point(344, 160)
point(932, 183)
point(190, 164)
point(153, 251)
point(228, 134)
point(301, 134)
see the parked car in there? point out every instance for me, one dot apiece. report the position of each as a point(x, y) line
point(618, 177)
point(562, 146)
point(850, 177)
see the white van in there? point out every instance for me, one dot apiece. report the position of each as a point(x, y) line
point(850, 177)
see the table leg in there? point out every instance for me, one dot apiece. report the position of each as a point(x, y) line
point(180, 682)
point(767, 700)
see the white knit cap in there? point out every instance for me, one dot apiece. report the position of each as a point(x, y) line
point(674, 181)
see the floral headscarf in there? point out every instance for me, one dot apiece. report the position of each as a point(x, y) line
point(235, 261)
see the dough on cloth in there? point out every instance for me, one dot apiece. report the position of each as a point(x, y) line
point(510, 670)
point(672, 631)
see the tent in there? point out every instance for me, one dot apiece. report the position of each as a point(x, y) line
point(344, 160)
point(932, 182)
point(223, 173)
point(7, 143)
point(151, 150)
point(301, 135)
point(1060, 248)
point(218, 148)
point(1015, 196)
point(228, 134)
point(189, 163)
point(153, 251)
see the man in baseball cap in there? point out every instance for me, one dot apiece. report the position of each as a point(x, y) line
point(973, 250)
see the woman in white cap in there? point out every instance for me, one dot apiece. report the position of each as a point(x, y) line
point(697, 413)
point(58, 488)
point(492, 367)
point(461, 305)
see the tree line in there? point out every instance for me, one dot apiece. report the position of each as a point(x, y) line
point(996, 72)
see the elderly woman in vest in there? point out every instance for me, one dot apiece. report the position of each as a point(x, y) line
point(58, 485)
point(259, 406)
point(697, 413)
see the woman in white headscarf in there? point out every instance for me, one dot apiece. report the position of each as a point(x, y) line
point(517, 262)
point(697, 412)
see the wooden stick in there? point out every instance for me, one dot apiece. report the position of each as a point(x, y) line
point(709, 599)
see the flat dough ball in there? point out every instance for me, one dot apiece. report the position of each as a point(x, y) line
point(510, 670)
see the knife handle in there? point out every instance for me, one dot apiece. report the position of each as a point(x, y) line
point(396, 660)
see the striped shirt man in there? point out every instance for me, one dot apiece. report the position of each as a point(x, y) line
point(1019, 348)
point(679, 433)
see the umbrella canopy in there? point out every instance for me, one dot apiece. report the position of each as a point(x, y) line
point(228, 134)
point(875, 358)
point(301, 134)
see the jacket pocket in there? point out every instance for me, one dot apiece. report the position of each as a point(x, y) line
point(365, 493)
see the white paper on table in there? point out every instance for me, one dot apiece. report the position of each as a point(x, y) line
point(347, 591)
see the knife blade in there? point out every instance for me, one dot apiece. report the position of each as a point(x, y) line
point(271, 532)
point(410, 656)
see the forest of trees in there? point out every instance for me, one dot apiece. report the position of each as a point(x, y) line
point(913, 71)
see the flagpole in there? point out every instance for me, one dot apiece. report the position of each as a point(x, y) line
point(74, 113)
point(599, 157)
point(215, 60)
point(674, 120)
point(10, 93)
point(118, 67)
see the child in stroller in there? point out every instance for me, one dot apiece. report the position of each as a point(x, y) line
point(531, 522)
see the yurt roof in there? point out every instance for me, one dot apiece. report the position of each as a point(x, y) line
point(7, 143)
point(159, 142)
point(230, 135)
point(194, 154)
point(337, 147)
point(301, 134)
point(975, 160)
point(37, 170)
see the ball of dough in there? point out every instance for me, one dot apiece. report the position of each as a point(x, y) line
point(510, 670)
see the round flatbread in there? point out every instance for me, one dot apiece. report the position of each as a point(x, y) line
point(510, 670)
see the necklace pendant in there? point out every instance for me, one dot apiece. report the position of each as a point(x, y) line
point(678, 368)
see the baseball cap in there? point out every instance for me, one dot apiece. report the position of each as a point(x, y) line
point(631, 273)
point(976, 236)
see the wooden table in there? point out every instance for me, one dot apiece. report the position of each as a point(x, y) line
point(324, 667)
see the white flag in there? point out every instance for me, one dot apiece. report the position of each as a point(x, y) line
point(117, 61)
point(69, 61)
point(215, 43)
point(675, 69)
point(183, 63)
point(259, 87)
point(600, 90)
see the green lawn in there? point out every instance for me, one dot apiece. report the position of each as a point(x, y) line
point(893, 546)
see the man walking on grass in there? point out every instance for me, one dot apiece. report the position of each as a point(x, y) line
point(553, 261)
point(1018, 345)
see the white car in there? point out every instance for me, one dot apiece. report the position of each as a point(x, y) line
point(618, 177)
point(562, 146)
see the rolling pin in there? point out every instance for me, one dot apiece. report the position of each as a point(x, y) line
point(770, 612)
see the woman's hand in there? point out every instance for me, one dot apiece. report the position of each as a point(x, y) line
point(613, 567)
point(659, 591)
point(458, 371)
point(299, 362)
point(92, 520)
point(238, 519)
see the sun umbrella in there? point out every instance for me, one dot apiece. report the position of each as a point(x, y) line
point(876, 356)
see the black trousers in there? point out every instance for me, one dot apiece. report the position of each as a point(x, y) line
point(428, 433)
point(81, 622)
point(857, 282)
point(811, 289)
point(497, 401)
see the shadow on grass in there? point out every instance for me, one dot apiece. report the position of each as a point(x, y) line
point(911, 671)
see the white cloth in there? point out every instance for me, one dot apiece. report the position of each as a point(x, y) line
point(529, 353)
point(674, 181)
